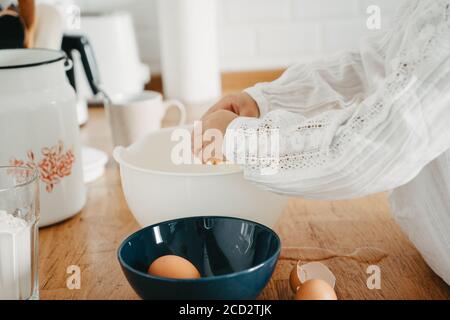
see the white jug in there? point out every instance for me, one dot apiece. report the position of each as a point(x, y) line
point(38, 128)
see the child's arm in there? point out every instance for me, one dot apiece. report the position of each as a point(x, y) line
point(312, 88)
point(374, 144)
point(305, 89)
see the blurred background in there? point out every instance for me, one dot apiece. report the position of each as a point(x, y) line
point(267, 34)
point(198, 50)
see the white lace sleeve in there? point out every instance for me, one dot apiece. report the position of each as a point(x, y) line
point(372, 145)
point(313, 87)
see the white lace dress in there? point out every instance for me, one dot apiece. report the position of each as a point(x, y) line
point(364, 122)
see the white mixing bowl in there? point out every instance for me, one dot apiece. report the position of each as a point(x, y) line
point(156, 189)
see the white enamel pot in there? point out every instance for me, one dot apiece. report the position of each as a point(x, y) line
point(38, 128)
point(156, 189)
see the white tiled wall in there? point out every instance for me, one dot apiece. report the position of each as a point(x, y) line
point(265, 34)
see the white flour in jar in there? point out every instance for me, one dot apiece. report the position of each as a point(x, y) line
point(15, 258)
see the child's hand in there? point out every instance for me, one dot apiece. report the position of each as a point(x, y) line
point(220, 116)
point(240, 103)
point(218, 120)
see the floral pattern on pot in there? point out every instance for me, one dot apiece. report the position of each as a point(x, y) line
point(54, 165)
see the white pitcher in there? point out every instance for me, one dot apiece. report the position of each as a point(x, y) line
point(38, 127)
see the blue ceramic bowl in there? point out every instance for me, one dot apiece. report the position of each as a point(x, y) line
point(235, 257)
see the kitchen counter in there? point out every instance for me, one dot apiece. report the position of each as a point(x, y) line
point(90, 239)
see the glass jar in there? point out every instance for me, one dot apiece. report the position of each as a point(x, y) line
point(19, 217)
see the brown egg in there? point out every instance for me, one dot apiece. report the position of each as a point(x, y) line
point(294, 280)
point(174, 267)
point(315, 289)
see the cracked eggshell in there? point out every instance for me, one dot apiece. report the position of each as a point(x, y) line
point(294, 280)
point(315, 270)
point(308, 271)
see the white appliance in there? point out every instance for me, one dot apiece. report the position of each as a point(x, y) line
point(38, 128)
point(113, 40)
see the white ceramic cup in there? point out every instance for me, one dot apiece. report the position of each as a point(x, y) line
point(132, 116)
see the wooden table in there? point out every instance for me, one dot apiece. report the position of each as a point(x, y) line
point(90, 240)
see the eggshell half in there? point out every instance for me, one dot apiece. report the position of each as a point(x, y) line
point(315, 270)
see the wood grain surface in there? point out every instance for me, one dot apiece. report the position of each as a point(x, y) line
point(90, 240)
point(232, 81)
